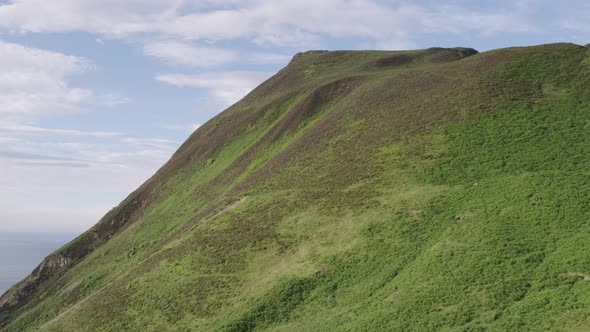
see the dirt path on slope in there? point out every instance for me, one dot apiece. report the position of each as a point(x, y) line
point(65, 312)
point(79, 303)
point(580, 275)
point(225, 210)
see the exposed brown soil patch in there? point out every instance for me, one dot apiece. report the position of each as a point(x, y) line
point(225, 210)
point(582, 276)
point(463, 216)
point(414, 213)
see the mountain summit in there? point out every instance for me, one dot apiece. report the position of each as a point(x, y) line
point(437, 189)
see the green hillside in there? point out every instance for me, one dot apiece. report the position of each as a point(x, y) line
point(438, 189)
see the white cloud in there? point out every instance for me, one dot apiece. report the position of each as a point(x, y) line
point(103, 151)
point(112, 99)
point(447, 19)
point(53, 63)
point(42, 217)
point(97, 167)
point(269, 58)
point(193, 55)
point(62, 179)
point(105, 17)
point(177, 53)
point(158, 143)
point(228, 87)
point(299, 24)
point(33, 82)
point(394, 44)
point(16, 129)
point(187, 128)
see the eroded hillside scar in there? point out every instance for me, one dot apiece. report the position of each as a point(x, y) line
point(225, 210)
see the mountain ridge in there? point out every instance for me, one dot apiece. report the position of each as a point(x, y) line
point(325, 138)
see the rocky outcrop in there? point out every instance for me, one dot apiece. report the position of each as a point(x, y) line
point(27, 286)
point(113, 222)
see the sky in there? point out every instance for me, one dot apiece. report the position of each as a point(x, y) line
point(95, 95)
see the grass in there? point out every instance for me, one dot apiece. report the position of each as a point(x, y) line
point(430, 196)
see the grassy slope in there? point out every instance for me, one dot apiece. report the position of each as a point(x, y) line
point(414, 192)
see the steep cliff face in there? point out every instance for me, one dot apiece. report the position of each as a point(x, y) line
point(61, 260)
point(431, 189)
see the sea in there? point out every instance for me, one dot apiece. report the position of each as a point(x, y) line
point(20, 253)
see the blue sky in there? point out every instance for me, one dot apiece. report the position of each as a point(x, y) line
point(95, 95)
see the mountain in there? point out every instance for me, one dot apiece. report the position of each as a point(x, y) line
point(437, 189)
